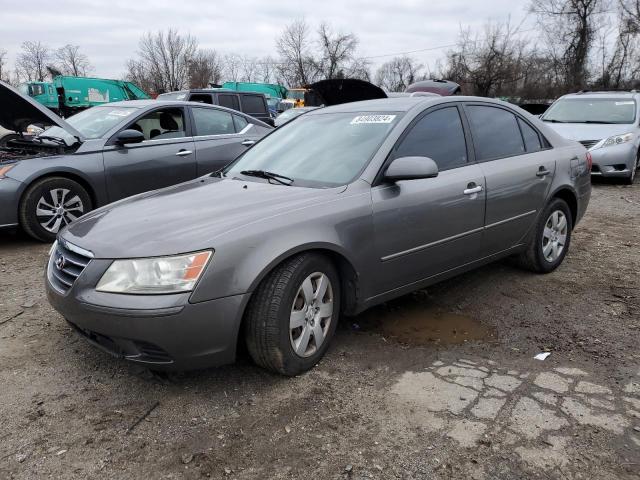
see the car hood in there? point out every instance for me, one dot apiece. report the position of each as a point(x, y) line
point(186, 217)
point(589, 131)
point(19, 111)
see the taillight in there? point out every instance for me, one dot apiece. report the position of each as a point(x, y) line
point(589, 161)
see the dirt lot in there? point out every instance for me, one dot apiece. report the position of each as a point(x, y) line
point(441, 384)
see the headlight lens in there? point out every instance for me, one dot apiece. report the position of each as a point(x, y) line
point(618, 139)
point(154, 275)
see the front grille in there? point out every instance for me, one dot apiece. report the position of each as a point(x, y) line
point(588, 143)
point(65, 265)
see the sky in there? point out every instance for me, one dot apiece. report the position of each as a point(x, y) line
point(108, 31)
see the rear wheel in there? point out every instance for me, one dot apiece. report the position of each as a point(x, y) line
point(50, 204)
point(549, 243)
point(293, 315)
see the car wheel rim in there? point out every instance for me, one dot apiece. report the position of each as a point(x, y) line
point(57, 208)
point(311, 314)
point(554, 236)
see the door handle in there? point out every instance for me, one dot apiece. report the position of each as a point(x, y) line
point(470, 190)
point(542, 172)
point(183, 153)
point(248, 143)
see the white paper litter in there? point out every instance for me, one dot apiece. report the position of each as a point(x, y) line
point(542, 356)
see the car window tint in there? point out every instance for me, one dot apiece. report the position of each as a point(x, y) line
point(531, 137)
point(210, 121)
point(253, 104)
point(240, 122)
point(438, 135)
point(229, 101)
point(495, 132)
point(160, 124)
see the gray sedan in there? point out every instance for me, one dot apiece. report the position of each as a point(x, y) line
point(344, 208)
point(107, 153)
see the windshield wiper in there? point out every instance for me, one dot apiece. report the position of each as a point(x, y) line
point(597, 121)
point(268, 176)
point(553, 120)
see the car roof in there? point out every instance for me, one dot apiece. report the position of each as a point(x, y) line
point(401, 104)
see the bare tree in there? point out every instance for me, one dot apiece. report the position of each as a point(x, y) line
point(337, 50)
point(297, 65)
point(570, 28)
point(232, 67)
point(397, 74)
point(4, 72)
point(249, 69)
point(266, 70)
point(487, 64)
point(72, 61)
point(31, 62)
point(205, 68)
point(164, 59)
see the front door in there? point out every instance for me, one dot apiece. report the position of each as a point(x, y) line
point(518, 171)
point(429, 226)
point(166, 157)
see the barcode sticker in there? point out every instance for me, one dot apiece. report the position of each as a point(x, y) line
point(360, 119)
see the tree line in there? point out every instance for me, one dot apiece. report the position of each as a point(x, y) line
point(576, 45)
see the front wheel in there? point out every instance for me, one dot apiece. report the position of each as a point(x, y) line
point(634, 169)
point(293, 314)
point(50, 204)
point(549, 243)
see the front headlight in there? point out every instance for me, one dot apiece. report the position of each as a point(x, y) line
point(154, 275)
point(618, 139)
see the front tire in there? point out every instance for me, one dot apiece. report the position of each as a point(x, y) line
point(631, 178)
point(550, 240)
point(293, 314)
point(50, 204)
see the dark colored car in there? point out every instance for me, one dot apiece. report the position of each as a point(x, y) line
point(343, 208)
point(252, 103)
point(107, 153)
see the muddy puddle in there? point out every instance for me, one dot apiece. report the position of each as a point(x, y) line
point(414, 320)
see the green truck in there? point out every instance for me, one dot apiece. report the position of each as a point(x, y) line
point(66, 95)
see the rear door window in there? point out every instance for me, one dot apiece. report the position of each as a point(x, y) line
point(438, 135)
point(229, 101)
point(253, 104)
point(530, 136)
point(495, 132)
point(210, 121)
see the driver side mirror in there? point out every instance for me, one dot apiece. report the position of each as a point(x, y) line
point(411, 168)
point(129, 136)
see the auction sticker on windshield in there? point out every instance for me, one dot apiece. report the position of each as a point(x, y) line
point(360, 119)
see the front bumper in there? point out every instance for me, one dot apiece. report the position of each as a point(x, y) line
point(164, 332)
point(614, 161)
point(9, 199)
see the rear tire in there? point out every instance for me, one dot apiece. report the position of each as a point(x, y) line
point(50, 204)
point(293, 314)
point(549, 242)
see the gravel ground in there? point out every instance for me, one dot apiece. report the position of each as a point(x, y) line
point(440, 384)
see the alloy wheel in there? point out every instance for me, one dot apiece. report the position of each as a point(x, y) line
point(554, 236)
point(311, 314)
point(58, 207)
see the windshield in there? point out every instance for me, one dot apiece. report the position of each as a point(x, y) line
point(592, 110)
point(322, 151)
point(92, 123)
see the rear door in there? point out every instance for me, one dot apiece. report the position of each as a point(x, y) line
point(429, 226)
point(166, 157)
point(518, 167)
point(220, 136)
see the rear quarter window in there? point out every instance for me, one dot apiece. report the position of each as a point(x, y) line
point(253, 104)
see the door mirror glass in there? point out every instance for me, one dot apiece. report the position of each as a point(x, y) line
point(411, 168)
point(129, 136)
